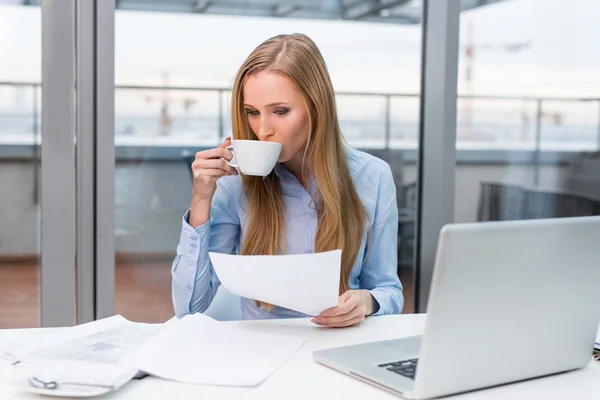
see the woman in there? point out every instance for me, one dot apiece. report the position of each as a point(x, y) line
point(322, 195)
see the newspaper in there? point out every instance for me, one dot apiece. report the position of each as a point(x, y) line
point(108, 340)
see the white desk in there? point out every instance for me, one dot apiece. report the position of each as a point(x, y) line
point(302, 378)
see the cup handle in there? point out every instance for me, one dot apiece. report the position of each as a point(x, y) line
point(230, 148)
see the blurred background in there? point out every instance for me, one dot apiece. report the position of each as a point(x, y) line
point(528, 122)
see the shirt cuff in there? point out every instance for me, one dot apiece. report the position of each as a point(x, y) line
point(186, 223)
point(191, 239)
point(192, 244)
point(389, 303)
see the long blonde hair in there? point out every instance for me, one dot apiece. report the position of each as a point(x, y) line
point(341, 215)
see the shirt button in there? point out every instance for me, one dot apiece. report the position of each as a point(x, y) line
point(192, 252)
point(189, 287)
point(194, 237)
point(194, 245)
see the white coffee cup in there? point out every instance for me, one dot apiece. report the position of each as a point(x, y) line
point(254, 157)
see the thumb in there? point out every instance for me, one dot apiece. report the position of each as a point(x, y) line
point(342, 299)
point(225, 143)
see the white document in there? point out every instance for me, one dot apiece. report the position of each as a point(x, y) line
point(597, 345)
point(81, 361)
point(108, 340)
point(198, 349)
point(307, 283)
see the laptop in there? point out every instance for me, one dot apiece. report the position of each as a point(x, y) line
point(509, 301)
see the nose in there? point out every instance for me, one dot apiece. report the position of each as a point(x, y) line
point(265, 130)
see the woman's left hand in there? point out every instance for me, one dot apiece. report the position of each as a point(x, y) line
point(353, 306)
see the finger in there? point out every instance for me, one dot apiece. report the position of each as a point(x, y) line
point(328, 321)
point(333, 310)
point(214, 164)
point(210, 172)
point(352, 322)
point(341, 309)
point(226, 142)
point(214, 153)
point(346, 323)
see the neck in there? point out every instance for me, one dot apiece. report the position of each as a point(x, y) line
point(299, 167)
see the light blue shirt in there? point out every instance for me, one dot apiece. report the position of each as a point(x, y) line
point(194, 282)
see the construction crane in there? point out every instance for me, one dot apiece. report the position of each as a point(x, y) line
point(469, 51)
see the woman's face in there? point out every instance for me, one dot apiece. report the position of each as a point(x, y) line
point(276, 112)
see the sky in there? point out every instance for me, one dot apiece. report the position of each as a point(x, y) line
point(562, 56)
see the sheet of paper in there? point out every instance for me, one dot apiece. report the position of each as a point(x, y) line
point(108, 346)
point(200, 350)
point(308, 283)
point(19, 349)
point(108, 340)
point(597, 345)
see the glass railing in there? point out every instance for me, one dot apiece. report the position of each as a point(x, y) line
point(169, 120)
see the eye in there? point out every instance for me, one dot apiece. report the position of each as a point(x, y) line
point(252, 113)
point(281, 111)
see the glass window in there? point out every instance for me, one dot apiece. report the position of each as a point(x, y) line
point(173, 99)
point(528, 131)
point(20, 139)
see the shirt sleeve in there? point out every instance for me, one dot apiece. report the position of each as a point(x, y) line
point(193, 280)
point(379, 270)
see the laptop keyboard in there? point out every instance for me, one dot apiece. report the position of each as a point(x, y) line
point(405, 368)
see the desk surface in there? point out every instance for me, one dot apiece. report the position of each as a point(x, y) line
point(300, 377)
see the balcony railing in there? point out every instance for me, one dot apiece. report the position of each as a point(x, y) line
point(158, 122)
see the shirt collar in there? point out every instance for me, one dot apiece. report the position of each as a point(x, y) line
point(280, 171)
point(288, 178)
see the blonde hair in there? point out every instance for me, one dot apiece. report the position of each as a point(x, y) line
point(341, 214)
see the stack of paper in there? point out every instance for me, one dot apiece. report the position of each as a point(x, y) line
point(307, 283)
point(105, 341)
point(94, 358)
point(84, 361)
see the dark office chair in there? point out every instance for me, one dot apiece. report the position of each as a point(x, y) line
point(583, 175)
point(406, 225)
point(502, 202)
point(499, 201)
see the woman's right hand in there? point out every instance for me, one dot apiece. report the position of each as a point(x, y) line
point(207, 168)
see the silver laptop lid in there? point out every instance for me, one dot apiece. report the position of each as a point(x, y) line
point(510, 301)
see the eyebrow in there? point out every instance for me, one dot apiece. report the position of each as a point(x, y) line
point(279, 103)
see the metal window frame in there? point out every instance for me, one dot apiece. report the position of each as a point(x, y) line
point(58, 232)
point(105, 158)
point(437, 145)
point(77, 178)
point(95, 160)
point(86, 103)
